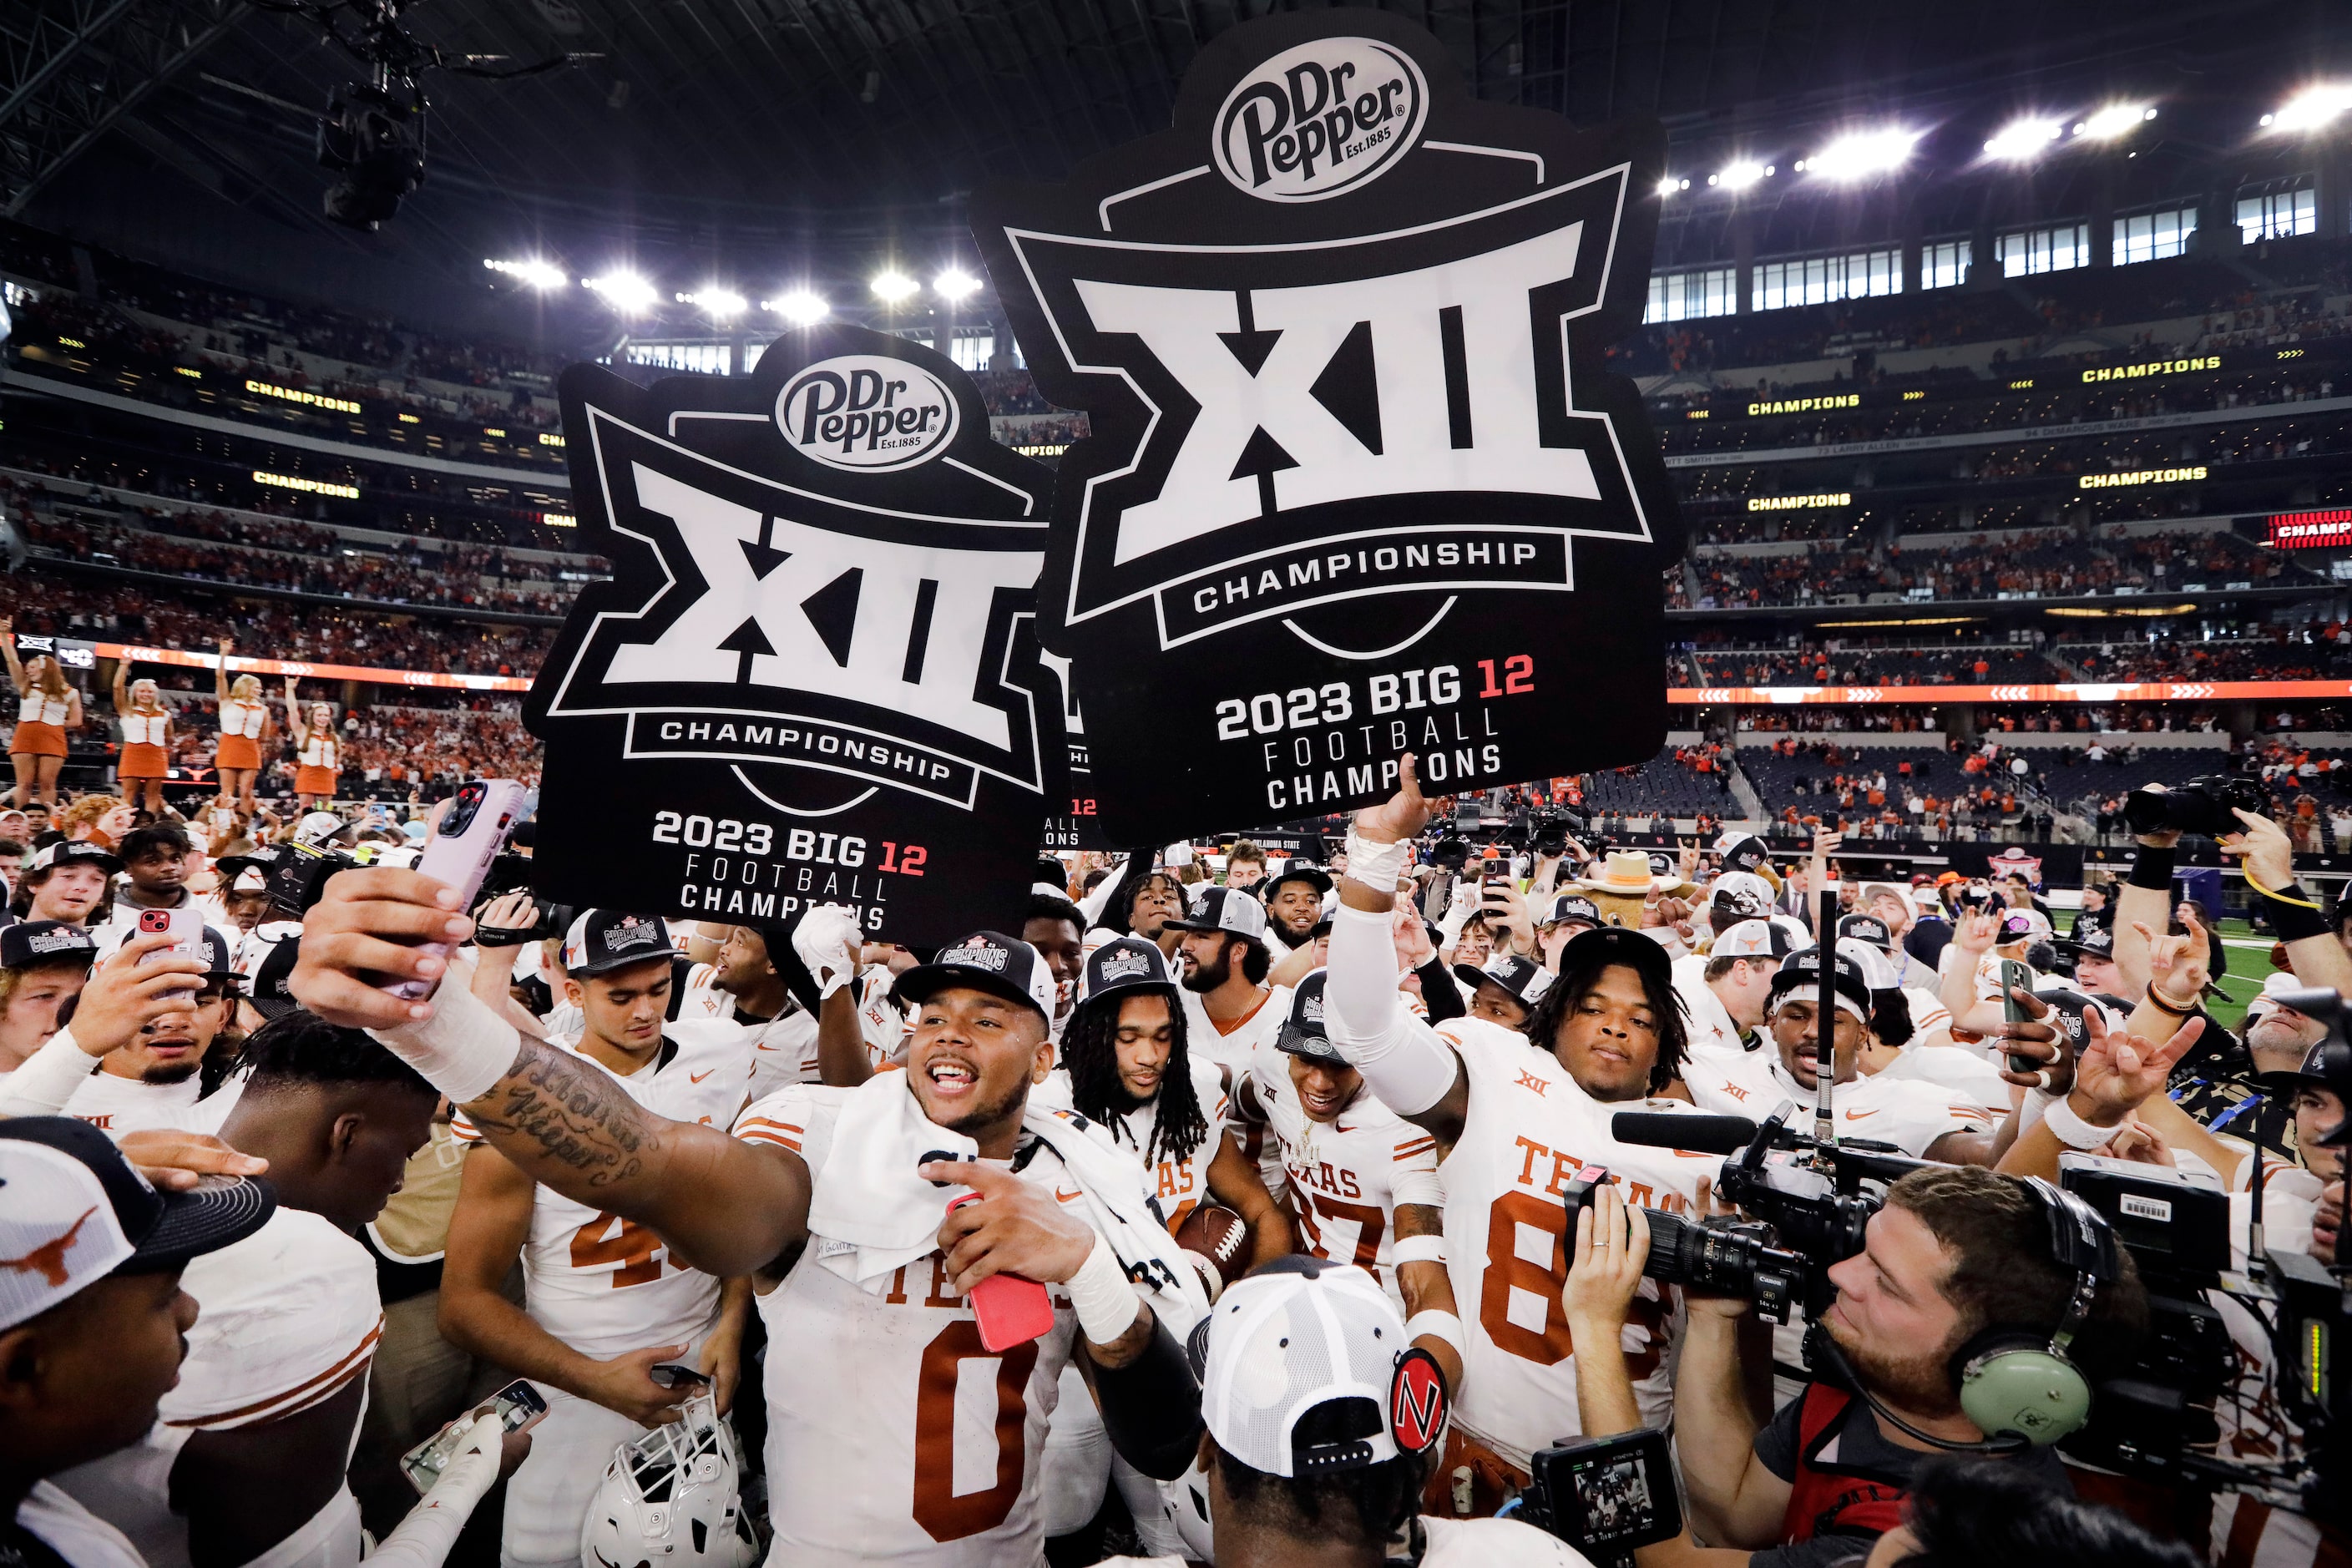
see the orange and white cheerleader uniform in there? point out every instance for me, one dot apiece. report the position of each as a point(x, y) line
point(319, 765)
point(40, 725)
point(146, 746)
point(240, 734)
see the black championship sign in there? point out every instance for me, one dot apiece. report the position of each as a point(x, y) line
point(813, 676)
point(1081, 828)
point(1359, 483)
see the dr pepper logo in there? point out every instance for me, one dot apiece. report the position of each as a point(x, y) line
point(1319, 119)
point(866, 413)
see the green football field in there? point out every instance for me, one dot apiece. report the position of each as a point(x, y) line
point(2250, 963)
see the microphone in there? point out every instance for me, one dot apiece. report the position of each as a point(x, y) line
point(1700, 1134)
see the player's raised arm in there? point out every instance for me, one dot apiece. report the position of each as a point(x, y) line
point(723, 1206)
point(1414, 1072)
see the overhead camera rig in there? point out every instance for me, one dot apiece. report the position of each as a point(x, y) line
point(373, 130)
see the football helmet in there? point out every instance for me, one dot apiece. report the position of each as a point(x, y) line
point(670, 1499)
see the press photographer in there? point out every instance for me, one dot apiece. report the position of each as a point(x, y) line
point(1968, 1308)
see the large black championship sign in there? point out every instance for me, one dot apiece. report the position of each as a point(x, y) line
point(813, 676)
point(1359, 483)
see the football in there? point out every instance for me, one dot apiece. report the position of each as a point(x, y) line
point(1218, 1243)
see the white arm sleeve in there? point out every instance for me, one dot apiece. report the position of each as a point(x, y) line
point(1403, 1058)
point(423, 1539)
point(463, 1050)
point(1094, 903)
point(48, 1077)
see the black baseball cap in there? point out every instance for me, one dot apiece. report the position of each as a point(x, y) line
point(1571, 906)
point(1623, 945)
point(985, 961)
point(28, 943)
point(1869, 929)
point(1802, 972)
point(2088, 942)
point(1229, 910)
point(602, 941)
point(1313, 875)
point(72, 852)
point(79, 1212)
point(1129, 964)
point(217, 965)
point(268, 994)
point(1523, 977)
point(1302, 1033)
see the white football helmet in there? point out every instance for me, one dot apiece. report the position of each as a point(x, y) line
point(669, 1499)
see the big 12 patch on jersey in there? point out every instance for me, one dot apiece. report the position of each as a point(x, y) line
point(812, 676)
point(1359, 482)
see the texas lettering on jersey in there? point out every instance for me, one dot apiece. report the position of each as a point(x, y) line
point(1359, 481)
point(812, 676)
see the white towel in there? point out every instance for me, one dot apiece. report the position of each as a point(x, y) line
point(870, 1213)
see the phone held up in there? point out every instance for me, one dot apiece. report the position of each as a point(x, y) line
point(519, 1408)
point(481, 817)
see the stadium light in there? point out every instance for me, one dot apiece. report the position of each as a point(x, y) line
point(625, 291)
point(801, 307)
point(1738, 177)
point(2024, 140)
point(721, 303)
point(1862, 154)
point(2313, 108)
point(955, 285)
point(545, 276)
point(891, 285)
point(2115, 119)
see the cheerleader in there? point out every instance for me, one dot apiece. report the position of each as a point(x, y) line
point(146, 740)
point(245, 728)
point(320, 760)
point(47, 709)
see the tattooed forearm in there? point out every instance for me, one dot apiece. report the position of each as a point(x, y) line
point(558, 1107)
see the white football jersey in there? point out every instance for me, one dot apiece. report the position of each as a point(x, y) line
point(288, 1319)
point(1529, 1132)
point(1347, 1175)
point(1908, 1112)
point(1233, 1050)
point(879, 1018)
point(783, 1049)
point(604, 1285)
point(1713, 1037)
point(118, 1106)
point(1181, 1185)
point(894, 1435)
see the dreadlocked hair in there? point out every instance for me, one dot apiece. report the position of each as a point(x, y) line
point(1090, 1052)
point(1578, 975)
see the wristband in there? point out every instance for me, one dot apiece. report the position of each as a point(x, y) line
point(1376, 865)
point(2037, 1105)
point(2152, 869)
point(1430, 1323)
point(463, 1050)
point(2070, 1129)
point(48, 1077)
point(1106, 1303)
point(2293, 912)
point(1417, 1250)
point(2168, 1009)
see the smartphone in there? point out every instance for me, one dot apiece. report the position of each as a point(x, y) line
point(2015, 974)
point(1010, 1311)
point(473, 830)
point(186, 928)
point(519, 1408)
point(671, 1374)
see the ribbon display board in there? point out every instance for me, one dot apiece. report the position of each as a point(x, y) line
point(1357, 483)
point(813, 676)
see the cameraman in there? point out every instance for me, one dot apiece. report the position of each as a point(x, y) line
point(1954, 1250)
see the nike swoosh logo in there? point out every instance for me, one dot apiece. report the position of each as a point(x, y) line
point(763, 1045)
point(1858, 1115)
point(699, 1077)
point(1062, 1197)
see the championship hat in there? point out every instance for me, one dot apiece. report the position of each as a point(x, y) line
point(1298, 1338)
point(72, 852)
point(1869, 929)
point(985, 961)
point(1296, 871)
point(77, 1212)
point(1229, 910)
point(1129, 964)
point(1753, 940)
point(1522, 977)
point(319, 827)
point(602, 941)
point(267, 990)
point(1570, 906)
point(1800, 976)
point(30, 942)
point(1302, 1033)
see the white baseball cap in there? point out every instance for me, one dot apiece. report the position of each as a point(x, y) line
point(1230, 910)
point(317, 828)
point(1752, 939)
point(1298, 1336)
point(77, 1212)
